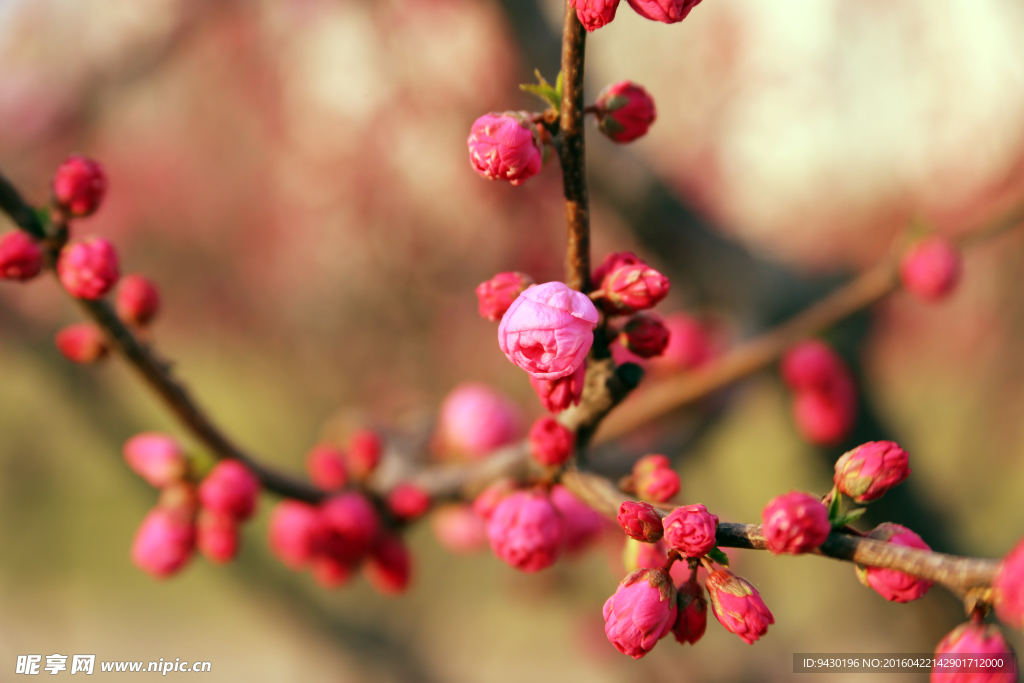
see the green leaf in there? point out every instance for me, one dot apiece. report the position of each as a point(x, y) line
point(849, 518)
point(544, 90)
point(835, 508)
point(716, 555)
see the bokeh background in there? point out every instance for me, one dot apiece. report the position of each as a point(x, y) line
point(293, 173)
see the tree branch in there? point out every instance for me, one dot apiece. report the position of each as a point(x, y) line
point(571, 153)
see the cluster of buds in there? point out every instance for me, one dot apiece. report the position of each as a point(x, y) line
point(594, 14)
point(331, 468)
point(653, 479)
point(825, 396)
point(930, 269)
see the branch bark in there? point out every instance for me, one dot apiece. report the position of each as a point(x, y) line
point(571, 153)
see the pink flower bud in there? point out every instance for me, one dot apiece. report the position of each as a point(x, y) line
point(581, 524)
point(138, 300)
point(488, 499)
point(548, 330)
point(665, 11)
point(505, 146)
point(640, 521)
point(475, 420)
point(637, 554)
point(811, 365)
point(612, 262)
point(81, 343)
point(691, 529)
point(659, 485)
point(364, 449)
point(331, 572)
point(389, 566)
point(973, 641)
point(931, 268)
point(650, 463)
point(164, 542)
point(217, 536)
point(795, 523)
point(79, 186)
point(351, 524)
point(625, 111)
point(495, 295)
point(408, 502)
point(558, 394)
point(21, 257)
point(326, 466)
point(594, 14)
point(459, 529)
point(633, 288)
point(871, 469)
point(641, 612)
point(692, 619)
point(525, 531)
point(157, 458)
point(738, 606)
point(645, 335)
point(551, 444)
point(88, 269)
point(689, 345)
point(1008, 588)
point(230, 489)
point(295, 532)
point(894, 585)
point(826, 417)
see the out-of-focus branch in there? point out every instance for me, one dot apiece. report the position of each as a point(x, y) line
point(572, 156)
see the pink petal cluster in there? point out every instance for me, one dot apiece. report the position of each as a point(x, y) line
point(525, 531)
point(551, 443)
point(558, 394)
point(164, 542)
point(475, 420)
point(295, 533)
point(640, 521)
point(88, 269)
point(645, 335)
point(494, 296)
point(869, 470)
point(738, 606)
point(217, 536)
point(654, 479)
point(632, 288)
point(973, 641)
point(581, 524)
point(21, 257)
point(388, 567)
point(351, 527)
point(641, 612)
point(794, 523)
point(79, 186)
point(825, 404)
point(691, 529)
point(893, 585)
point(325, 463)
point(138, 300)
point(157, 458)
point(1008, 588)
point(692, 618)
point(363, 455)
point(665, 11)
point(408, 502)
point(505, 146)
point(594, 14)
point(81, 343)
point(230, 489)
point(931, 268)
point(548, 330)
point(625, 111)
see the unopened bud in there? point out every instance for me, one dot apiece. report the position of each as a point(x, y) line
point(21, 257)
point(551, 443)
point(79, 186)
point(625, 111)
point(494, 296)
point(88, 269)
point(640, 521)
point(81, 343)
point(138, 300)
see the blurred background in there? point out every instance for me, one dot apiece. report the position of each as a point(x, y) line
point(294, 175)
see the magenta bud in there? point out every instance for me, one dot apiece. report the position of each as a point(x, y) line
point(692, 619)
point(640, 521)
point(558, 394)
point(138, 300)
point(459, 529)
point(489, 498)
point(794, 523)
point(826, 418)
point(21, 257)
point(869, 470)
point(551, 443)
point(81, 343)
point(164, 542)
point(633, 288)
point(645, 335)
point(157, 458)
point(641, 612)
point(581, 524)
point(88, 269)
point(364, 450)
point(388, 568)
point(476, 420)
point(665, 11)
point(505, 146)
point(893, 585)
point(1008, 588)
point(525, 531)
point(295, 532)
point(931, 268)
point(326, 466)
point(973, 641)
point(230, 489)
point(738, 606)
point(659, 485)
point(811, 365)
point(625, 111)
point(594, 14)
point(79, 186)
point(217, 536)
point(650, 463)
point(689, 343)
point(352, 525)
point(495, 295)
point(408, 502)
point(691, 529)
point(331, 572)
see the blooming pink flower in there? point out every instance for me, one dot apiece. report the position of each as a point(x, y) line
point(659, 485)
point(894, 585)
point(738, 606)
point(692, 617)
point(691, 529)
point(138, 300)
point(351, 524)
point(548, 330)
point(459, 529)
point(594, 14)
point(505, 146)
point(689, 345)
point(388, 568)
point(475, 420)
point(971, 640)
point(1008, 587)
point(408, 502)
point(665, 11)
point(217, 536)
point(633, 288)
point(494, 296)
point(326, 466)
point(641, 612)
point(164, 542)
point(295, 532)
point(21, 257)
point(558, 394)
point(81, 343)
point(625, 111)
point(88, 269)
point(79, 185)
point(157, 458)
point(488, 499)
point(640, 521)
point(931, 268)
point(581, 524)
point(795, 523)
point(811, 365)
point(364, 450)
point(871, 469)
point(645, 335)
point(551, 443)
point(525, 531)
point(230, 489)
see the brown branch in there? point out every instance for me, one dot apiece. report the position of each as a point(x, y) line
point(571, 153)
